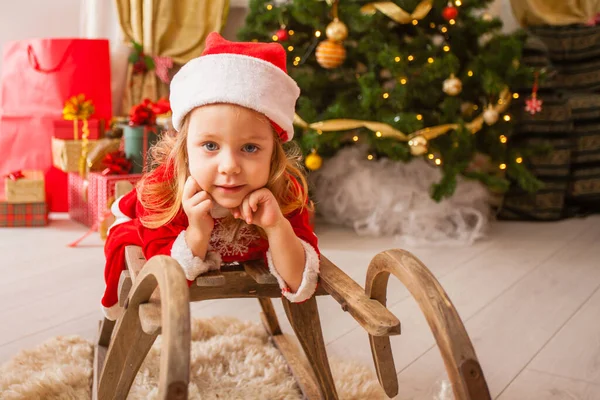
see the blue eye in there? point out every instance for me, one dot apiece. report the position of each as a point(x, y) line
point(250, 148)
point(210, 146)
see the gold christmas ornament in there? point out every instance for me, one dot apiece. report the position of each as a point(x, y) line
point(467, 109)
point(490, 115)
point(336, 30)
point(452, 86)
point(330, 54)
point(313, 161)
point(418, 145)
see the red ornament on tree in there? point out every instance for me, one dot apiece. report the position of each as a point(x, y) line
point(450, 12)
point(533, 105)
point(282, 35)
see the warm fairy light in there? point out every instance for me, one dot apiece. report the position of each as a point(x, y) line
point(507, 118)
point(296, 63)
point(318, 34)
point(519, 160)
point(515, 95)
point(446, 48)
point(475, 107)
point(290, 48)
point(410, 58)
point(430, 60)
point(297, 59)
point(269, 7)
point(430, 156)
point(415, 22)
point(438, 161)
point(458, 3)
point(419, 117)
point(291, 32)
point(378, 134)
point(355, 138)
point(432, 25)
point(403, 81)
point(502, 166)
point(386, 95)
point(444, 29)
point(275, 38)
point(397, 59)
point(470, 73)
point(320, 132)
point(370, 157)
point(503, 139)
point(500, 101)
point(452, 22)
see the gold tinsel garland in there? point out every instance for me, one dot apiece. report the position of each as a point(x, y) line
point(417, 140)
point(396, 13)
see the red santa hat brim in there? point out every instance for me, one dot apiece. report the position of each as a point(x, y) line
point(237, 77)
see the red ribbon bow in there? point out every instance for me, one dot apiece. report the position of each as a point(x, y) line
point(142, 114)
point(116, 164)
point(162, 106)
point(15, 175)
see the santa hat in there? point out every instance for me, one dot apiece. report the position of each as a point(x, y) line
point(249, 74)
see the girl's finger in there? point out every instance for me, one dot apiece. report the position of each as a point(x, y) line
point(247, 210)
point(190, 188)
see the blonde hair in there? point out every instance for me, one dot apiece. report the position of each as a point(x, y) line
point(161, 196)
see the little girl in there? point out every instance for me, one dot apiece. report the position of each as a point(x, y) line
point(224, 189)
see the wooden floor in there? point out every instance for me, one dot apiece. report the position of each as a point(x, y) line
point(528, 295)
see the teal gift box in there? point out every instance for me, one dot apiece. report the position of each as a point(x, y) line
point(135, 149)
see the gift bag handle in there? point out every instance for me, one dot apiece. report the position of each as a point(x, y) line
point(35, 63)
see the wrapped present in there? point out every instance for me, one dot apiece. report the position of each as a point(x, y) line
point(25, 187)
point(70, 130)
point(80, 209)
point(67, 154)
point(23, 214)
point(97, 157)
point(102, 191)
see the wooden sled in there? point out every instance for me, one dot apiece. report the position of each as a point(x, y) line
point(157, 300)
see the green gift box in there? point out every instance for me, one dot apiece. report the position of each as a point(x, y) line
point(136, 146)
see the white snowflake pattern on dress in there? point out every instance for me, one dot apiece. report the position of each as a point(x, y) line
point(226, 242)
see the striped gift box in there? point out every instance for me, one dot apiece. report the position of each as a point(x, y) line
point(23, 214)
point(80, 209)
point(102, 191)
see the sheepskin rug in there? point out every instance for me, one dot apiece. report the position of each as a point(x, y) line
point(230, 359)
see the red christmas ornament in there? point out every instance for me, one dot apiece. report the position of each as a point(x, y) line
point(533, 105)
point(449, 13)
point(282, 35)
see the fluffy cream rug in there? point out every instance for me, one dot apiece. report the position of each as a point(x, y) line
point(230, 359)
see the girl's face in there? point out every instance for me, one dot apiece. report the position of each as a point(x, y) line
point(229, 151)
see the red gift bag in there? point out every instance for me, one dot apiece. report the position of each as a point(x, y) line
point(38, 76)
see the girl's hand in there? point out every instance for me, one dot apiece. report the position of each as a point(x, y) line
point(197, 204)
point(259, 208)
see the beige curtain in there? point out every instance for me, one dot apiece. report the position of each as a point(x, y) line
point(166, 28)
point(554, 12)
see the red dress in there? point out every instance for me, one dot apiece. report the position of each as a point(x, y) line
point(169, 240)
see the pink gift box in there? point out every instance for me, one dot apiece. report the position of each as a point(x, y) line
point(63, 129)
point(79, 200)
point(102, 191)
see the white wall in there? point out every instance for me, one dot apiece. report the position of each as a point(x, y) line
point(24, 19)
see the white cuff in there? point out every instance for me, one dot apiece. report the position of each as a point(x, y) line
point(113, 313)
point(119, 216)
point(193, 266)
point(310, 276)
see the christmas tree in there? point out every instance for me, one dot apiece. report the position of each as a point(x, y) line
point(408, 78)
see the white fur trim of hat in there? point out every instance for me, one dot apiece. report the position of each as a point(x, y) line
point(237, 73)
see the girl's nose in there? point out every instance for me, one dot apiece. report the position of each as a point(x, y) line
point(228, 164)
